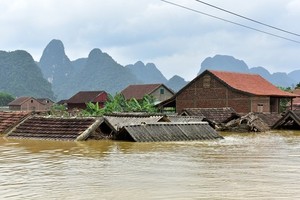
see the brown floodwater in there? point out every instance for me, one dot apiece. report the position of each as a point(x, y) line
point(242, 166)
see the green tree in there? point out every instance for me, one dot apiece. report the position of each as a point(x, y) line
point(5, 98)
point(298, 86)
point(284, 101)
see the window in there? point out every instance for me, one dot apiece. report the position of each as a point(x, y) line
point(31, 101)
point(260, 107)
point(162, 91)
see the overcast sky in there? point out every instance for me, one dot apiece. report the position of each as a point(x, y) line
point(176, 40)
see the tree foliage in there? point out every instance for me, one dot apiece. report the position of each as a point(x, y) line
point(5, 98)
point(118, 103)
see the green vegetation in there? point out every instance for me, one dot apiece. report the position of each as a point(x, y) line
point(5, 98)
point(20, 76)
point(298, 86)
point(119, 104)
point(58, 110)
point(284, 102)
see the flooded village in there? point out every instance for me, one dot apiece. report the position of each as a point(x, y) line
point(214, 101)
point(222, 136)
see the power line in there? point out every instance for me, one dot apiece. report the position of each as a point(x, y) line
point(247, 18)
point(225, 20)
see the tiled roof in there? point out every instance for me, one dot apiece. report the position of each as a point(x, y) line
point(84, 96)
point(139, 91)
point(19, 101)
point(218, 115)
point(9, 119)
point(296, 101)
point(168, 132)
point(52, 128)
point(269, 118)
point(186, 119)
point(250, 83)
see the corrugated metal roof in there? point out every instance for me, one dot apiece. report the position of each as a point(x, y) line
point(117, 122)
point(52, 128)
point(186, 118)
point(168, 132)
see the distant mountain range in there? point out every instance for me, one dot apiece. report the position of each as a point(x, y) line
point(229, 63)
point(22, 76)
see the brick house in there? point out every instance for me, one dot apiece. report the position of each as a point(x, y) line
point(159, 91)
point(296, 101)
point(216, 89)
point(30, 104)
point(80, 99)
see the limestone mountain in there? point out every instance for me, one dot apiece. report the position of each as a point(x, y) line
point(176, 83)
point(97, 72)
point(55, 65)
point(147, 73)
point(21, 76)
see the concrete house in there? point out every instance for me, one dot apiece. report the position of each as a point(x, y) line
point(30, 104)
point(159, 91)
point(216, 89)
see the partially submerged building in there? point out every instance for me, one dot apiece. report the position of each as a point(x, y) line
point(291, 120)
point(80, 99)
point(30, 104)
point(159, 91)
point(9, 120)
point(217, 89)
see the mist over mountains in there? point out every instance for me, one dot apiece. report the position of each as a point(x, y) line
point(22, 76)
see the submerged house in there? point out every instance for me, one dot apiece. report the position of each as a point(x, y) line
point(159, 91)
point(10, 119)
point(80, 99)
point(30, 104)
point(216, 89)
point(291, 120)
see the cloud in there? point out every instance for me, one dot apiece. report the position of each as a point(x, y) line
point(175, 39)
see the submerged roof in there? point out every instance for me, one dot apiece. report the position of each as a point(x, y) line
point(53, 128)
point(186, 119)
point(168, 132)
point(218, 115)
point(139, 91)
point(9, 119)
point(116, 122)
point(269, 118)
point(290, 120)
point(250, 83)
point(85, 96)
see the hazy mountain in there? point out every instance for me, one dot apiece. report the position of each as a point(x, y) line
point(55, 65)
point(176, 83)
point(147, 73)
point(21, 76)
point(224, 63)
point(98, 72)
point(229, 63)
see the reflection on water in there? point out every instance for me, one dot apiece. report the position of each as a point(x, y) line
point(248, 166)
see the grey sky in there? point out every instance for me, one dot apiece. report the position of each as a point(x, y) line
point(175, 39)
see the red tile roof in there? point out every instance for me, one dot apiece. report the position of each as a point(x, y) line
point(10, 119)
point(250, 83)
point(139, 91)
point(296, 101)
point(85, 96)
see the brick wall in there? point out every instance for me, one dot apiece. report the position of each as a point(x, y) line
point(209, 92)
